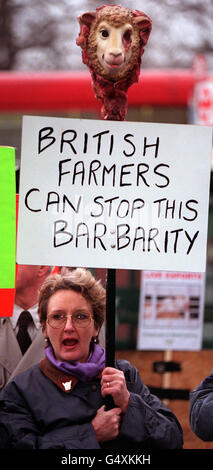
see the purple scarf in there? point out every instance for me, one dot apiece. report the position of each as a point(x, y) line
point(84, 371)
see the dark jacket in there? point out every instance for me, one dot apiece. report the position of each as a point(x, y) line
point(201, 409)
point(38, 414)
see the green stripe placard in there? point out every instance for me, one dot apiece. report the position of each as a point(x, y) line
point(7, 217)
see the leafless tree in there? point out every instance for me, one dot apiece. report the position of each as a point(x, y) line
point(35, 35)
point(41, 34)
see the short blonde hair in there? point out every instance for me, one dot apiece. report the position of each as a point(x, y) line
point(79, 280)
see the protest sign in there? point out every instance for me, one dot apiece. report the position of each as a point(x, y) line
point(7, 229)
point(113, 194)
point(171, 310)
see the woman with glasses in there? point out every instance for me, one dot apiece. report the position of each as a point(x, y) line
point(60, 403)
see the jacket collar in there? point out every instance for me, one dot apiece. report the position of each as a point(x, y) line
point(64, 381)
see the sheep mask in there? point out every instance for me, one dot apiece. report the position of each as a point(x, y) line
point(112, 41)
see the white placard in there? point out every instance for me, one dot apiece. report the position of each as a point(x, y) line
point(113, 194)
point(171, 311)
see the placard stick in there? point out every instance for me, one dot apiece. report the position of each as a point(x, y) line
point(110, 316)
point(110, 325)
point(167, 376)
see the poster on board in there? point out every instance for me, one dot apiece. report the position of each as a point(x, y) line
point(113, 194)
point(171, 310)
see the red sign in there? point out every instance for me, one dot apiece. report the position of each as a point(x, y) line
point(203, 102)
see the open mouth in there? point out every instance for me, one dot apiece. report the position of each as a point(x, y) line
point(70, 342)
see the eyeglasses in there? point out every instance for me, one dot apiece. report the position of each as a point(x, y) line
point(58, 320)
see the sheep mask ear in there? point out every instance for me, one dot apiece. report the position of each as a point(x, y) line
point(87, 18)
point(144, 24)
point(85, 22)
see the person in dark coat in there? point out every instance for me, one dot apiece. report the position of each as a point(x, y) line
point(201, 409)
point(60, 403)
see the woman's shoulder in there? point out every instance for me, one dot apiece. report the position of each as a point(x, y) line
point(128, 369)
point(122, 364)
